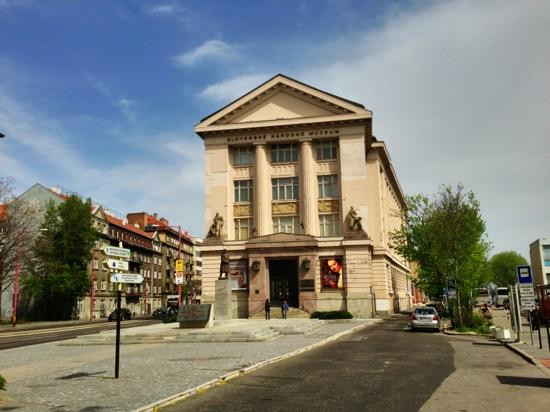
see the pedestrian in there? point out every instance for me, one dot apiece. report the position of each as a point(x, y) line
point(284, 309)
point(267, 307)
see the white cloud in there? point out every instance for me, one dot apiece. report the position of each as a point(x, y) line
point(126, 106)
point(165, 179)
point(211, 49)
point(460, 93)
point(230, 89)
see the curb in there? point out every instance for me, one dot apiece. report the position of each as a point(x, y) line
point(529, 358)
point(451, 332)
point(240, 372)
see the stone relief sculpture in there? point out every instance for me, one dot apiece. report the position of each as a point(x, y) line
point(224, 265)
point(216, 226)
point(354, 221)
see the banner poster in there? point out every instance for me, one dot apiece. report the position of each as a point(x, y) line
point(331, 273)
point(238, 273)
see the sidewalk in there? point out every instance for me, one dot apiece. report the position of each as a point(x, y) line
point(530, 352)
point(47, 376)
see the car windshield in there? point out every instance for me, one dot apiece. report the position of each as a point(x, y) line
point(425, 311)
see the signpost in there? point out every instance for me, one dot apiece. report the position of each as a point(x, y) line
point(121, 278)
point(116, 264)
point(116, 251)
point(526, 294)
point(179, 265)
point(179, 277)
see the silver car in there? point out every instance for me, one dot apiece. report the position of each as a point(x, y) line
point(425, 318)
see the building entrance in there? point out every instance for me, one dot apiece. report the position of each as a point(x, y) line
point(283, 282)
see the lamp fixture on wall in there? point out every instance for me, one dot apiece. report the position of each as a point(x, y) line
point(306, 263)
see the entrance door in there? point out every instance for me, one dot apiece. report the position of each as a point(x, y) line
point(283, 282)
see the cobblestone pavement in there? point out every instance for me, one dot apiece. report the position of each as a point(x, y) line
point(80, 378)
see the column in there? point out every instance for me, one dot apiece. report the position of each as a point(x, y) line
point(262, 191)
point(308, 189)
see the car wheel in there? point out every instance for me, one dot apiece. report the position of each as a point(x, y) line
point(413, 329)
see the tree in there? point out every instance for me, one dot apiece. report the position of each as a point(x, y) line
point(503, 267)
point(61, 255)
point(18, 228)
point(445, 235)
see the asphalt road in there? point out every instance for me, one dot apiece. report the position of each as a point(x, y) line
point(32, 336)
point(383, 367)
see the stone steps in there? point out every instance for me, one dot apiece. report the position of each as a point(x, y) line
point(293, 313)
point(233, 331)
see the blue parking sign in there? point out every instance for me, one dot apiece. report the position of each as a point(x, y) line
point(524, 274)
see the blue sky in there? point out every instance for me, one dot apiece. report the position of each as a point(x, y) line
point(101, 97)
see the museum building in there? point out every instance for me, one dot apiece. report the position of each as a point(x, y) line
point(303, 197)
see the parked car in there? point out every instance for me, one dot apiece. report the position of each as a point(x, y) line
point(125, 314)
point(159, 313)
point(439, 308)
point(425, 318)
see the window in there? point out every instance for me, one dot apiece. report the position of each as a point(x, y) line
point(242, 228)
point(95, 284)
point(546, 255)
point(329, 225)
point(286, 224)
point(285, 188)
point(103, 285)
point(243, 190)
point(95, 264)
point(328, 186)
point(284, 153)
point(325, 149)
point(242, 156)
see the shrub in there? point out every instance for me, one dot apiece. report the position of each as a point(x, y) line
point(334, 314)
point(2, 383)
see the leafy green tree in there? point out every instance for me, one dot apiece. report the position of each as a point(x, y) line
point(61, 254)
point(445, 235)
point(503, 267)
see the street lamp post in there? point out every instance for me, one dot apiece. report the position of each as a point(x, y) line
point(92, 289)
point(15, 285)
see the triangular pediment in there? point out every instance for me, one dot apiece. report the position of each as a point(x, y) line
point(281, 101)
point(282, 105)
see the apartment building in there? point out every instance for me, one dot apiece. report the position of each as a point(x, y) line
point(174, 243)
point(539, 252)
point(303, 198)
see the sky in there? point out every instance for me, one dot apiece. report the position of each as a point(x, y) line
point(102, 97)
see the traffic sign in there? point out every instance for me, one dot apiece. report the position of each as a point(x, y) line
point(526, 296)
point(179, 278)
point(179, 265)
point(524, 274)
point(116, 264)
point(116, 251)
point(126, 278)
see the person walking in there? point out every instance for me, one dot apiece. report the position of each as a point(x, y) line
point(267, 307)
point(284, 309)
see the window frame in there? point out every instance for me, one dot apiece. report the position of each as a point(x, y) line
point(237, 155)
point(321, 186)
point(322, 145)
point(238, 190)
point(293, 185)
point(334, 225)
point(295, 224)
point(238, 227)
point(279, 150)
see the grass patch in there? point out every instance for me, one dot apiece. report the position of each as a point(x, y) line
point(477, 324)
point(333, 314)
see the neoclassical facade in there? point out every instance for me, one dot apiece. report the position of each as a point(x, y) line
point(303, 197)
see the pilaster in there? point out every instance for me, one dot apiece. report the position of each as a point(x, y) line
point(262, 189)
point(308, 189)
